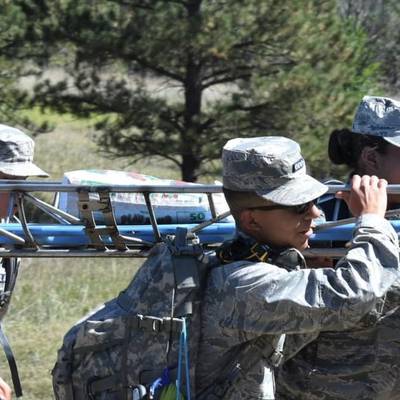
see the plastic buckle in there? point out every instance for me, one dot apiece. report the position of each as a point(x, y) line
point(139, 392)
point(90, 389)
point(157, 325)
point(150, 323)
point(276, 358)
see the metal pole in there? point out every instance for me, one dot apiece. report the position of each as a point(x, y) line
point(391, 189)
point(351, 220)
point(153, 219)
point(67, 253)
point(36, 186)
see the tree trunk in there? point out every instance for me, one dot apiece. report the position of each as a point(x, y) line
point(191, 135)
point(190, 168)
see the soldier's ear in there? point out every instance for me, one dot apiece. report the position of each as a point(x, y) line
point(248, 223)
point(369, 160)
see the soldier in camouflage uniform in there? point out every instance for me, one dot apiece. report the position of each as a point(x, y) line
point(16, 156)
point(263, 288)
point(363, 362)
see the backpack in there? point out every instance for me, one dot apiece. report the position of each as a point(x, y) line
point(139, 341)
point(133, 342)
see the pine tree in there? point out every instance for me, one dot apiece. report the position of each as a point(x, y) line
point(178, 78)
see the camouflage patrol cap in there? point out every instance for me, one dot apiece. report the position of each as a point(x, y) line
point(272, 167)
point(16, 153)
point(378, 116)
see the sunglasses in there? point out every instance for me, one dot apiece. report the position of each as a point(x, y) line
point(299, 209)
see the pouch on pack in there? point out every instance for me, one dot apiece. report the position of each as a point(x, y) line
point(133, 344)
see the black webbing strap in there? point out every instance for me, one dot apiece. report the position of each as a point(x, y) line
point(263, 347)
point(98, 385)
point(11, 362)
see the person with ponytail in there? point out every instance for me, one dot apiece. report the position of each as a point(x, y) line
point(362, 363)
point(363, 154)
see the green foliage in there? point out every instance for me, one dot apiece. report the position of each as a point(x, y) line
point(330, 74)
point(380, 19)
point(14, 64)
point(177, 78)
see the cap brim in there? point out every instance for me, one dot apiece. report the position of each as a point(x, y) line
point(22, 169)
point(296, 191)
point(394, 140)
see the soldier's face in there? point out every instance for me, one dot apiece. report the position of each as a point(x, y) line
point(282, 228)
point(5, 197)
point(387, 166)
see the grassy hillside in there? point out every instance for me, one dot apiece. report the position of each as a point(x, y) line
point(51, 294)
point(70, 147)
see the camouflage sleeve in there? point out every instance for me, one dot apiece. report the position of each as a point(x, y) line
point(264, 298)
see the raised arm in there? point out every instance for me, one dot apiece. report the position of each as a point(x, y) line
point(265, 298)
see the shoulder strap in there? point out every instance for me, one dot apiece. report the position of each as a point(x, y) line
point(11, 362)
point(262, 347)
point(186, 253)
point(10, 267)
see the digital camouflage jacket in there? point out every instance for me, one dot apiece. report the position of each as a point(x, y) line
point(248, 300)
point(361, 363)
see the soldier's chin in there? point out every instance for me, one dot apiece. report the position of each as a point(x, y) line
point(303, 245)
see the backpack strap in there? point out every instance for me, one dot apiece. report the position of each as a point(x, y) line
point(247, 249)
point(9, 271)
point(262, 347)
point(11, 362)
point(186, 251)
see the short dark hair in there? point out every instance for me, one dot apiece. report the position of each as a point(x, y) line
point(233, 198)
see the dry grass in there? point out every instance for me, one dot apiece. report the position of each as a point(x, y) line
point(70, 147)
point(50, 296)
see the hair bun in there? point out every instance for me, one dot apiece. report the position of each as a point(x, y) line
point(340, 147)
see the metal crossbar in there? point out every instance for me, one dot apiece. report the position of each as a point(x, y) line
point(391, 189)
point(38, 186)
point(56, 186)
point(84, 236)
point(71, 236)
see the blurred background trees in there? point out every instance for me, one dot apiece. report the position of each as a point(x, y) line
point(174, 78)
point(14, 65)
point(380, 20)
point(177, 78)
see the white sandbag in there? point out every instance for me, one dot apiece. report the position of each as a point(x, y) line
point(130, 208)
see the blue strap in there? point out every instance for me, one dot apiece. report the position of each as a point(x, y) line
point(160, 382)
point(187, 366)
point(183, 355)
point(179, 374)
